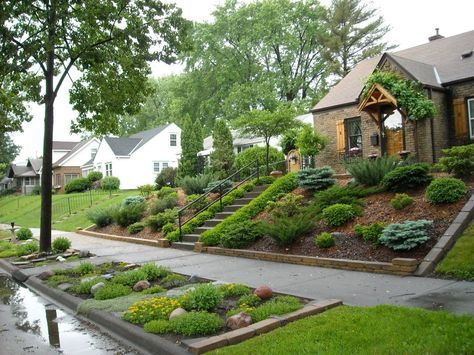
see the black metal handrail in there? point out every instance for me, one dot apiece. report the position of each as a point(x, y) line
point(222, 193)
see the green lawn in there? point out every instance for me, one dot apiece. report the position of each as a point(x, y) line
point(367, 330)
point(459, 262)
point(25, 210)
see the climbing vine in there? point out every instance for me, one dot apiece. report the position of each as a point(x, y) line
point(409, 94)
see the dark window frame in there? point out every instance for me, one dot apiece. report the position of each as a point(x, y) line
point(347, 122)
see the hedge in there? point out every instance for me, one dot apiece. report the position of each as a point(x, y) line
point(284, 184)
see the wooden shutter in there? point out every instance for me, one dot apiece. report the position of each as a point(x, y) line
point(340, 136)
point(460, 118)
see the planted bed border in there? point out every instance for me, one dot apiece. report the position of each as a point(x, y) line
point(398, 266)
point(448, 239)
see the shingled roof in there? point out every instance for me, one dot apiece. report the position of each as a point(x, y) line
point(435, 64)
point(62, 145)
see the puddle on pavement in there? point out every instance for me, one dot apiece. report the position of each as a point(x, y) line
point(64, 333)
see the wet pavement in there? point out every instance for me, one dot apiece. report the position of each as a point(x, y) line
point(29, 324)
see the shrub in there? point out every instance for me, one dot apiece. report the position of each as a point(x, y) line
point(145, 190)
point(158, 326)
point(110, 183)
point(338, 214)
point(94, 176)
point(127, 215)
point(249, 300)
point(152, 290)
point(102, 217)
point(166, 177)
point(445, 190)
point(24, 233)
point(406, 235)
point(61, 244)
point(285, 230)
point(349, 195)
point(36, 190)
point(165, 191)
point(27, 248)
point(154, 272)
point(407, 177)
point(204, 297)
point(212, 186)
point(196, 323)
point(400, 201)
point(287, 206)
point(164, 203)
point(133, 200)
point(84, 268)
point(173, 280)
point(370, 172)
point(284, 184)
point(77, 185)
point(151, 309)
point(254, 154)
point(167, 228)
point(194, 184)
point(112, 290)
point(234, 290)
point(315, 179)
point(157, 222)
point(84, 288)
point(136, 228)
point(241, 235)
point(324, 240)
point(458, 160)
point(370, 233)
point(130, 278)
point(276, 306)
point(199, 205)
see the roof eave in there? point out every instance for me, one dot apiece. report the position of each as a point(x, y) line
point(329, 108)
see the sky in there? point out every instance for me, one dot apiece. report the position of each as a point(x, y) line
point(411, 22)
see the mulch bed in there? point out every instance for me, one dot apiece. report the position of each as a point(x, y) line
point(377, 209)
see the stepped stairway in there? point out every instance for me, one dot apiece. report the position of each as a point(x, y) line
point(188, 240)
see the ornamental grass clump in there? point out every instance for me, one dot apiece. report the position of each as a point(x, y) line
point(406, 235)
point(315, 179)
point(445, 190)
point(151, 309)
point(204, 297)
point(61, 244)
point(234, 290)
point(370, 172)
point(24, 233)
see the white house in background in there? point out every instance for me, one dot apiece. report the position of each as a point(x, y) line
point(61, 148)
point(241, 143)
point(68, 166)
point(137, 160)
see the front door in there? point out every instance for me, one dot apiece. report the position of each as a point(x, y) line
point(393, 134)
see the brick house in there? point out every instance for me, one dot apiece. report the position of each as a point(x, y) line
point(376, 125)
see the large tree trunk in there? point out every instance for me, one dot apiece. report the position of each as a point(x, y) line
point(47, 169)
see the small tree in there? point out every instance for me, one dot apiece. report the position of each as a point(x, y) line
point(288, 140)
point(191, 144)
point(310, 142)
point(222, 158)
point(267, 124)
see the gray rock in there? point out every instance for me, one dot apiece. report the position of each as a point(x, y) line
point(141, 285)
point(239, 320)
point(65, 286)
point(177, 312)
point(338, 236)
point(194, 279)
point(130, 266)
point(87, 279)
point(219, 283)
point(107, 276)
point(84, 253)
point(178, 292)
point(97, 287)
point(46, 274)
point(60, 259)
point(29, 257)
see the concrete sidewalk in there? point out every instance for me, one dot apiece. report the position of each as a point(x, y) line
point(354, 288)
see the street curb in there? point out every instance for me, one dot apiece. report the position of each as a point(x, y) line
point(60, 297)
point(14, 271)
point(448, 239)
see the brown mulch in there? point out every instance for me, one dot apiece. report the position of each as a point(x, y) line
point(123, 232)
point(376, 209)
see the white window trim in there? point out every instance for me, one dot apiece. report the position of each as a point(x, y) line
point(176, 139)
point(470, 118)
point(109, 164)
point(159, 167)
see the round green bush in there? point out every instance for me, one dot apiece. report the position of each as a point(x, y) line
point(249, 300)
point(324, 240)
point(112, 290)
point(167, 228)
point(204, 297)
point(338, 214)
point(61, 244)
point(77, 185)
point(400, 201)
point(196, 323)
point(94, 176)
point(407, 177)
point(27, 248)
point(135, 228)
point(110, 183)
point(241, 235)
point(445, 190)
point(24, 233)
point(133, 200)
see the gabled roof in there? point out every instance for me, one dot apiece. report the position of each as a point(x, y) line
point(124, 146)
point(25, 170)
point(36, 164)
point(63, 145)
point(74, 150)
point(435, 64)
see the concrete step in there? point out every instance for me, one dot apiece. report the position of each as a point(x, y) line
point(252, 194)
point(260, 188)
point(202, 229)
point(232, 208)
point(223, 215)
point(191, 238)
point(242, 201)
point(183, 245)
point(212, 222)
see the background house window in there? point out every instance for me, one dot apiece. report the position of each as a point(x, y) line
point(69, 177)
point(173, 140)
point(108, 169)
point(353, 133)
point(156, 166)
point(29, 181)
point(470, 112)
point(165, 165)
point(58, 180)
point(93, 152)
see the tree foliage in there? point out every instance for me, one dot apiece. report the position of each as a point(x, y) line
point(8, 152)
point(191, 143)
point(222, 158)
point(310, 142)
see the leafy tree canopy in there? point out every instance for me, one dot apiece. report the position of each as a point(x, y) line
point(310, 142)
point(8, 152)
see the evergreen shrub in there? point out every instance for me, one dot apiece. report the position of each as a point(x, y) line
point(166, 177)
point(94, 176)
point(370, 233)
point(156, 222)
point(324, 240)
point(135, 228)
point(110, 183)
point(400, 201)
point(194, 184)
point(338, 214)
point(133, 200)
point(77, 185)
point(102, 217)
point(406, 235)
point(24, 233)
point(127, 215)
point(285, 230)
point(407, 177)
point(241, 236)
point(315, 179)
point(445, 190)
point(370, 172)
point(458, 160)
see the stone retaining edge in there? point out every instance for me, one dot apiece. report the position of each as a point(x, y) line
point(262, 327)
point(160, 243)
point(448, 239)
point(398, 266)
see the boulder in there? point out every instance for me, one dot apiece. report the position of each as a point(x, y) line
point(141, 285)
point(84, 253)
point(46, 274)
point(29, 257)
point(240, 320)
point(107, 276)
point(177, 312)
point(65, 286)
point(193, 279)
point(60, 259)
point(97, 287)
point(264, 292)
point(87, 279)
point(130, 267)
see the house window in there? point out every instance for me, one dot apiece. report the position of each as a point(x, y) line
point(156, 166)
point(108, 169)
point(164, 165)
point(173, 140)
point(470, 112)
point(353, 133)
point(93, 152)
point(99, 167)
point(29, 181)
point(58, 180)
point(69, 177)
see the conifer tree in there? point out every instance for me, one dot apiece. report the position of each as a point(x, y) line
point(198, 142)
point(191, 144)
point(222, 158)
